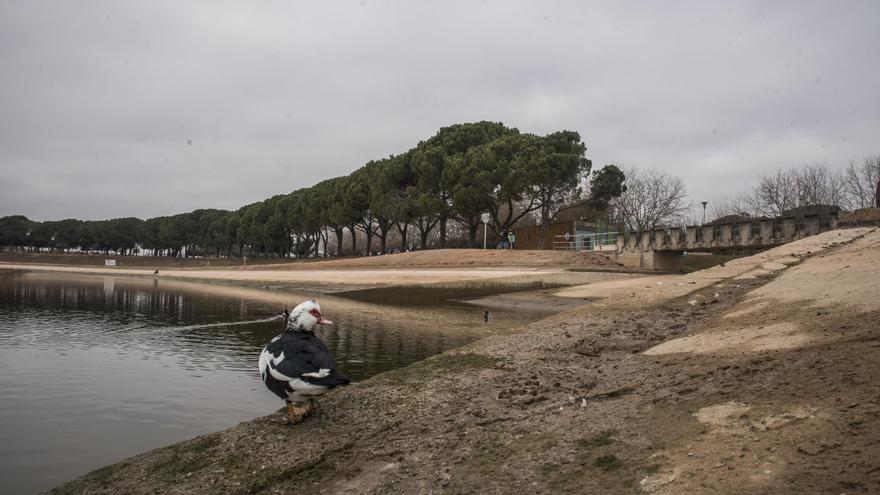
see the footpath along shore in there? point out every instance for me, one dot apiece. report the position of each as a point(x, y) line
point(756, 377)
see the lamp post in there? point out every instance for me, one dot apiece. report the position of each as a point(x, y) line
point(485, 228)
point(704, 211)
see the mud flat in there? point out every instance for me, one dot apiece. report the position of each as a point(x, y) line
point(677, 387)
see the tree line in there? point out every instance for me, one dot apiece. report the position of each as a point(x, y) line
point(434, 193)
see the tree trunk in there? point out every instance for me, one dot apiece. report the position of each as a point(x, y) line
point(472, 234)
point(383, 238)
point(338, 231)
point(443, 232)
point(353, 240)
point(424, 235)
point(542, 234)
point(403, 235)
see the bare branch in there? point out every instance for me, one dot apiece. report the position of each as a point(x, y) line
point(652, 199)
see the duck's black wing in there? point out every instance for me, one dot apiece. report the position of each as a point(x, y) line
point(307, 358)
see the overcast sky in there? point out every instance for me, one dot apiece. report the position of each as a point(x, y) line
point(111, 109)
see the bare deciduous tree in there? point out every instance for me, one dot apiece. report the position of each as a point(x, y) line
point(813, 184)
point(652, 199)
point(773, 194)
point(861, 182)
point(818, 185)
point(727, 206)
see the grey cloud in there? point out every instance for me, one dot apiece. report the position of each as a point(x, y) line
point(113, 109)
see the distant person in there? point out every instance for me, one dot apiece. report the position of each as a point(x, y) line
point(486, 317)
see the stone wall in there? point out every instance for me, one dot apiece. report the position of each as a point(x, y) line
point(860, 218)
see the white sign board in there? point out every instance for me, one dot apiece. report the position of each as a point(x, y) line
point(109, 262)
point(486, 218)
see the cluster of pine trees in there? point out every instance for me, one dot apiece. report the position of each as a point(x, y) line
point(451, 179)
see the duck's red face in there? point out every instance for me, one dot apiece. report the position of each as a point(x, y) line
point(318, 316)
point(304, 317)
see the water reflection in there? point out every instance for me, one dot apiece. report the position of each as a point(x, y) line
point(94, 369)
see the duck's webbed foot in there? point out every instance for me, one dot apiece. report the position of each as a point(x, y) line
point(297, 413)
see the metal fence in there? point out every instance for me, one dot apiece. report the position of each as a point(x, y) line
point(585, 242)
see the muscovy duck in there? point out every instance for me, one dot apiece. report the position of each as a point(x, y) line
point(296, 365)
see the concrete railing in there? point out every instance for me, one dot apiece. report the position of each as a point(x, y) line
point(661, 249)
point(748, 234)
point(603, 241)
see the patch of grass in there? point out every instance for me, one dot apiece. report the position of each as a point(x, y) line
point(302, 474)
point(102, 476)
point(445, 363)
point(600, 440)
point(188, 457)
point(608, 462)
point(177, 466)
point(307, 473)
point(311, 472)
point(204, 443)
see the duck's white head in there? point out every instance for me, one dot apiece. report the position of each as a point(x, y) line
point(304, 317)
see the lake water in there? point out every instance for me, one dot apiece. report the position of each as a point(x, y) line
point(96, 369)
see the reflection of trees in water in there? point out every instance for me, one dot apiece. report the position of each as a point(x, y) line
point(157, 318)
point(124, 301)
